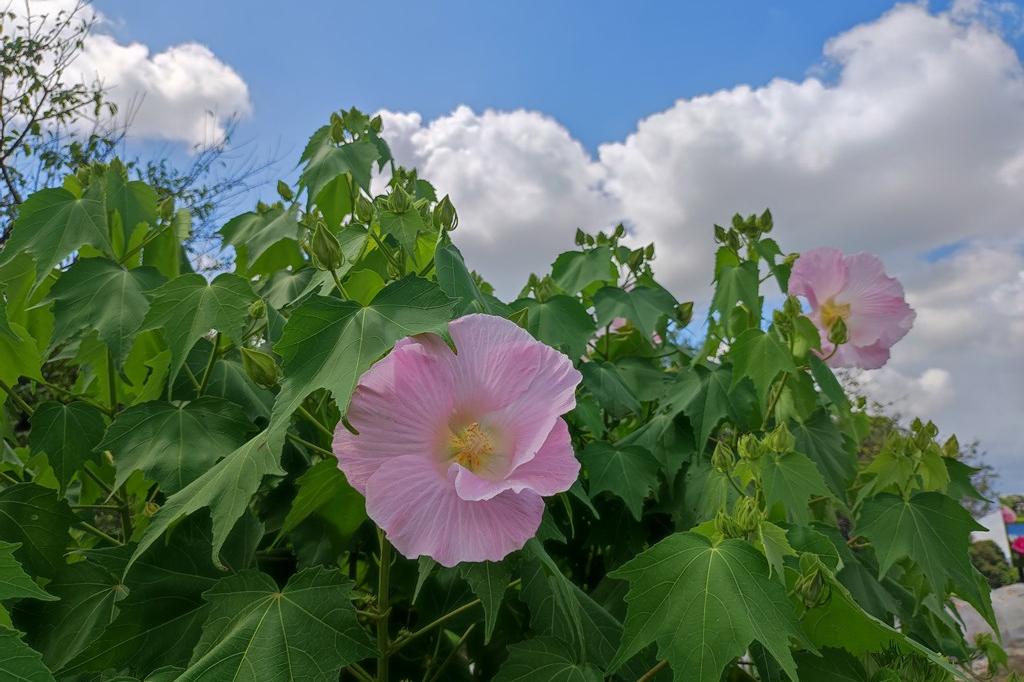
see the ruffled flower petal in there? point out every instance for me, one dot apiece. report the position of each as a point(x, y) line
point(416, 505)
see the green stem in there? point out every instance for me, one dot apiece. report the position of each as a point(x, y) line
point(22, 405)
point(441, 620)
point(112, 382)
point(104, 507)
point(650, 674)
point(427, 268)
point(312, 446)
point(10, 479)
point(386, 251)
point(775, 399)
point(98, 533)
point(337, 283)
point(111, 493)
point(359, 673)
point(145, 242)
point(75, 396)
point(383, 607)
point(451, 654)
point(316, 422)
point(209, 366)
point(735, 485)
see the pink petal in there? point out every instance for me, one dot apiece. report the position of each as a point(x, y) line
point(529, 419)
point(415, 502)
point(818, 275)
point(400, 407)
point(552, 470)
point(495, 363)
point(878, 311)
point(864, 357)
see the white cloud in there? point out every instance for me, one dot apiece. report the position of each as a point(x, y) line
point(521, 184)
point(183, 93)
point(912, 141)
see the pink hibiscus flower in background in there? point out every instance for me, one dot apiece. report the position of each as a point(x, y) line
point(1018, 544)
point(855, 289)
point(1009, 516)
point(455, 452)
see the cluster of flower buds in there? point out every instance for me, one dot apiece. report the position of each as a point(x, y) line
point(750, 447)
point(812, 586)
point(346, 125)
point(723, 458)
point(750, 227)
point(780, 440)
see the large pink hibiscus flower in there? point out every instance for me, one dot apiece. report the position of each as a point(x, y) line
point(857, 290)
point(455, 451)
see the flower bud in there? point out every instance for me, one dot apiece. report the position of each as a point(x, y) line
point(684, 313)
point(721, 234)
point(620, 231)
point(284, 190)
point(837, 335)
point(749, 447)
point(581, 237)
point(726, 526)
point(723, 457)
point(376, 124)
point(792, 306)
point(791, 258)
point(364, 210)
point(257, 309)
point(811, 588)
point(325, 249)
point(951, 448)
point(748, 514)
point(260, 367)
point(780, 440)
point(399, 201)
point(445, 216)
point(764, 221)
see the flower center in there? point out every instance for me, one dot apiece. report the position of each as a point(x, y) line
point(832, 311)
point(471, 447)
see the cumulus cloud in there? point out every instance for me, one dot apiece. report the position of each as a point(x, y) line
point(907, 138)
point(183, 93)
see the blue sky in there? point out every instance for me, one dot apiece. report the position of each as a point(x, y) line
point(541, 117)
point(596, 70)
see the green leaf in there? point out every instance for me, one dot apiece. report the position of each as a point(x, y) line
point(559, 321)
point(790, 480)
point(68, 434)
point(188, 307)
point(20, 662)
point(544, 659)
point(834, 665)
point(14, 582)
point(19, 354)
point(329, 343)
point(933, 531)
point(255, 232)
point(160, 620)
point(53, 223)
point(630, 473)
point(324, 162)
point(737, 283)
point(257, 631)
point(335, 199)
point(643, 306)
point(404, 227)
point(707, 397)
point(841, 623)
point(603, 381)
point(828, 383)
point(488, 580)
point(174, 443)
point(704, 604)
point(456, 281)
point(820, 439)
point(88, 595)
point(574, 271)
point(98, 294)
point(761, 357)
point(38, 519)
point(225, 488)
point(134, 201)
point(775, 545)
point(324, 489)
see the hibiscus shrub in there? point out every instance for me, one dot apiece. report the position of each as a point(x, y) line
point(347, 458)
